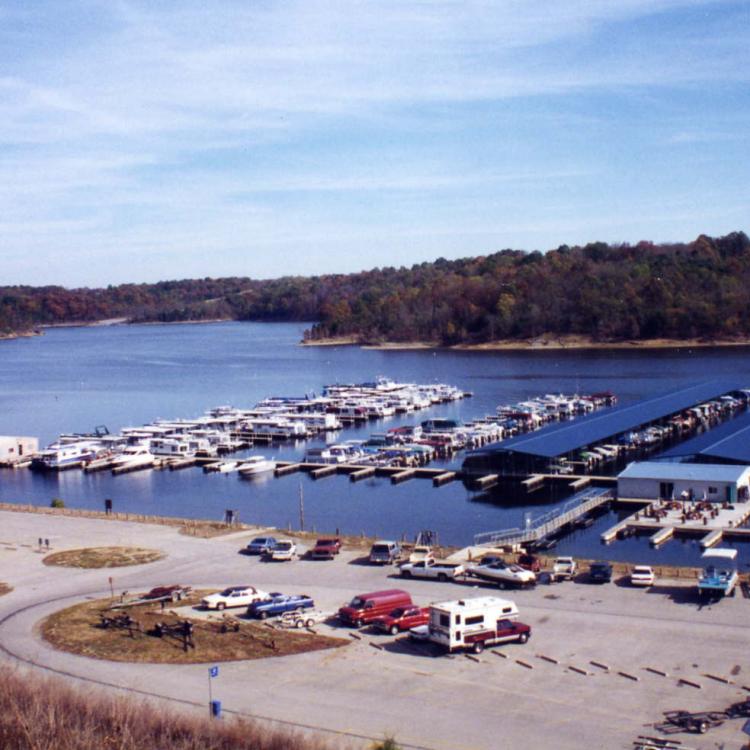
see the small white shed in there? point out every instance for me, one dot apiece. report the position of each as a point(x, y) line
point(652, 480)
point(16, 449)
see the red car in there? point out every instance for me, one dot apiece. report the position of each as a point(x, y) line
point(402, 618)
point(326, 549)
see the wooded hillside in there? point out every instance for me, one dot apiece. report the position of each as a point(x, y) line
point(605, 292)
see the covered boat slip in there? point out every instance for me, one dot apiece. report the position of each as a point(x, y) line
point(531, 453)
point(728, 443)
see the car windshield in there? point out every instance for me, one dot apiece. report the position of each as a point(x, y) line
point(284, 545)
point(325, 543)
point(645, 571)
point(397, 612)
point(357, 603)
point(380, 548)
point(259, 540)
point(229, 592)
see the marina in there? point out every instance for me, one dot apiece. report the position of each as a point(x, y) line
point(175, 369)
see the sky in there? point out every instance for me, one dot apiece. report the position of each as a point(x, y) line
point(144, 141)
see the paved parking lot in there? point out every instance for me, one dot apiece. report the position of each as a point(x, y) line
point(603, 663)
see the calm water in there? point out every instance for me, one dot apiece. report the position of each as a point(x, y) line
point(72, 379)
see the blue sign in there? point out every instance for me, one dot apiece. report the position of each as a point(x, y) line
point(213, 671)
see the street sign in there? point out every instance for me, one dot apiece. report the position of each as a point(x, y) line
point(213, 672)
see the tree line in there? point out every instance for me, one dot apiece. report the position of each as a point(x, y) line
point(603, 292)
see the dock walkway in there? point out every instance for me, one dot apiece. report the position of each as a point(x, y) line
point(662, 522)
point(548, 523)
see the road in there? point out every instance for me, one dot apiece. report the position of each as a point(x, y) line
point(360, 693)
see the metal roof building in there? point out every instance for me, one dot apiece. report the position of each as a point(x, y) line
point(533, 451)
point(728, 443)
point(660, 479)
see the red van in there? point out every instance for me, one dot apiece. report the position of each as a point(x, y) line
point(363, 609)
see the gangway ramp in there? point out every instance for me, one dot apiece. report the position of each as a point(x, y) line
point(547, 523)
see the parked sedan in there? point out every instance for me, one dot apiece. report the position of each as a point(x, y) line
point(642, 575)
point(600, 572)
point(284, 549)
point(402, 618)
point(234, 596)
point(276, 604)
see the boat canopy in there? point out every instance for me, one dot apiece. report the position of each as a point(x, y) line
point(720, 553)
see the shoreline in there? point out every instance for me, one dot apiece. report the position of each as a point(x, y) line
point(538, 344)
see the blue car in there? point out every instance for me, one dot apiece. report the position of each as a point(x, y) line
point(260, 545)
point(278, 603)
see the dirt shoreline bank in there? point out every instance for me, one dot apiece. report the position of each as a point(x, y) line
point(539, 344)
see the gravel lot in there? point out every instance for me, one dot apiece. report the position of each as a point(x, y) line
point(424, 700)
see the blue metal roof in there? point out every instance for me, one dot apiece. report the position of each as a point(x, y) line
point(566, 437)
point(729, 441)
point(669, 472)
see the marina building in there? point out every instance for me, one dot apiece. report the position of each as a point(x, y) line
point(659, 480)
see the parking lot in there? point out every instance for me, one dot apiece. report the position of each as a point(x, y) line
point(603, 663)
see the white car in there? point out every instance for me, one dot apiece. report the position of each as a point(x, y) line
point(642, 575)
point(234, 596)
point(285, 549)
point(564, 567)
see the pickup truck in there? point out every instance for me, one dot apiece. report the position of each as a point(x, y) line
point(430, 568)
point(326, 549)
point(277, 604)
point(402, 618)
point(564, 568)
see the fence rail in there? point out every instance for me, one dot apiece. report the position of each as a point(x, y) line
point(546, 523)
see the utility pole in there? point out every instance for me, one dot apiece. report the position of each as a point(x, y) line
point(301, 508)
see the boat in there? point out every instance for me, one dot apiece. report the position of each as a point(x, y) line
point(60, 456)
point(133, 457)
point(719, 576)
point(256, 465)
point(502, 573)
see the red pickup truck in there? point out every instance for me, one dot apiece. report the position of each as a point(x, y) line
point(326, 549)
point(401, 619)
point(505, 630)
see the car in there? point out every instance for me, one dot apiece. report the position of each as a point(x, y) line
point(402, 618)
point(284, 549)
point(431, 568)
point(234, 596)
point(420, 634)
point(278, 604)
point(491, 558)
point(326, 548)
point(600, 572)
point(642, 575)
point(175, 592)
point(260, 544)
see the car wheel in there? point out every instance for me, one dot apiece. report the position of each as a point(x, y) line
point(359, 623)
point(263, 614)
point(220, 606)
point(702, 727)
point(523, 637)
point(478, 647)
point(394, 630)
point(442, 577)
point(406, 574)
point(501, 585)
point(310, 622)
point(298, 623)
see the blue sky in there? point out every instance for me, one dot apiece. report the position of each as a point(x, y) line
point(142, 141)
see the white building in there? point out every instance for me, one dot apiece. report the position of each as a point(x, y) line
point(652, 480)
point(16, 449)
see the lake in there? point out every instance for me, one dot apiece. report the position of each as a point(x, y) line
point(72, 379)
